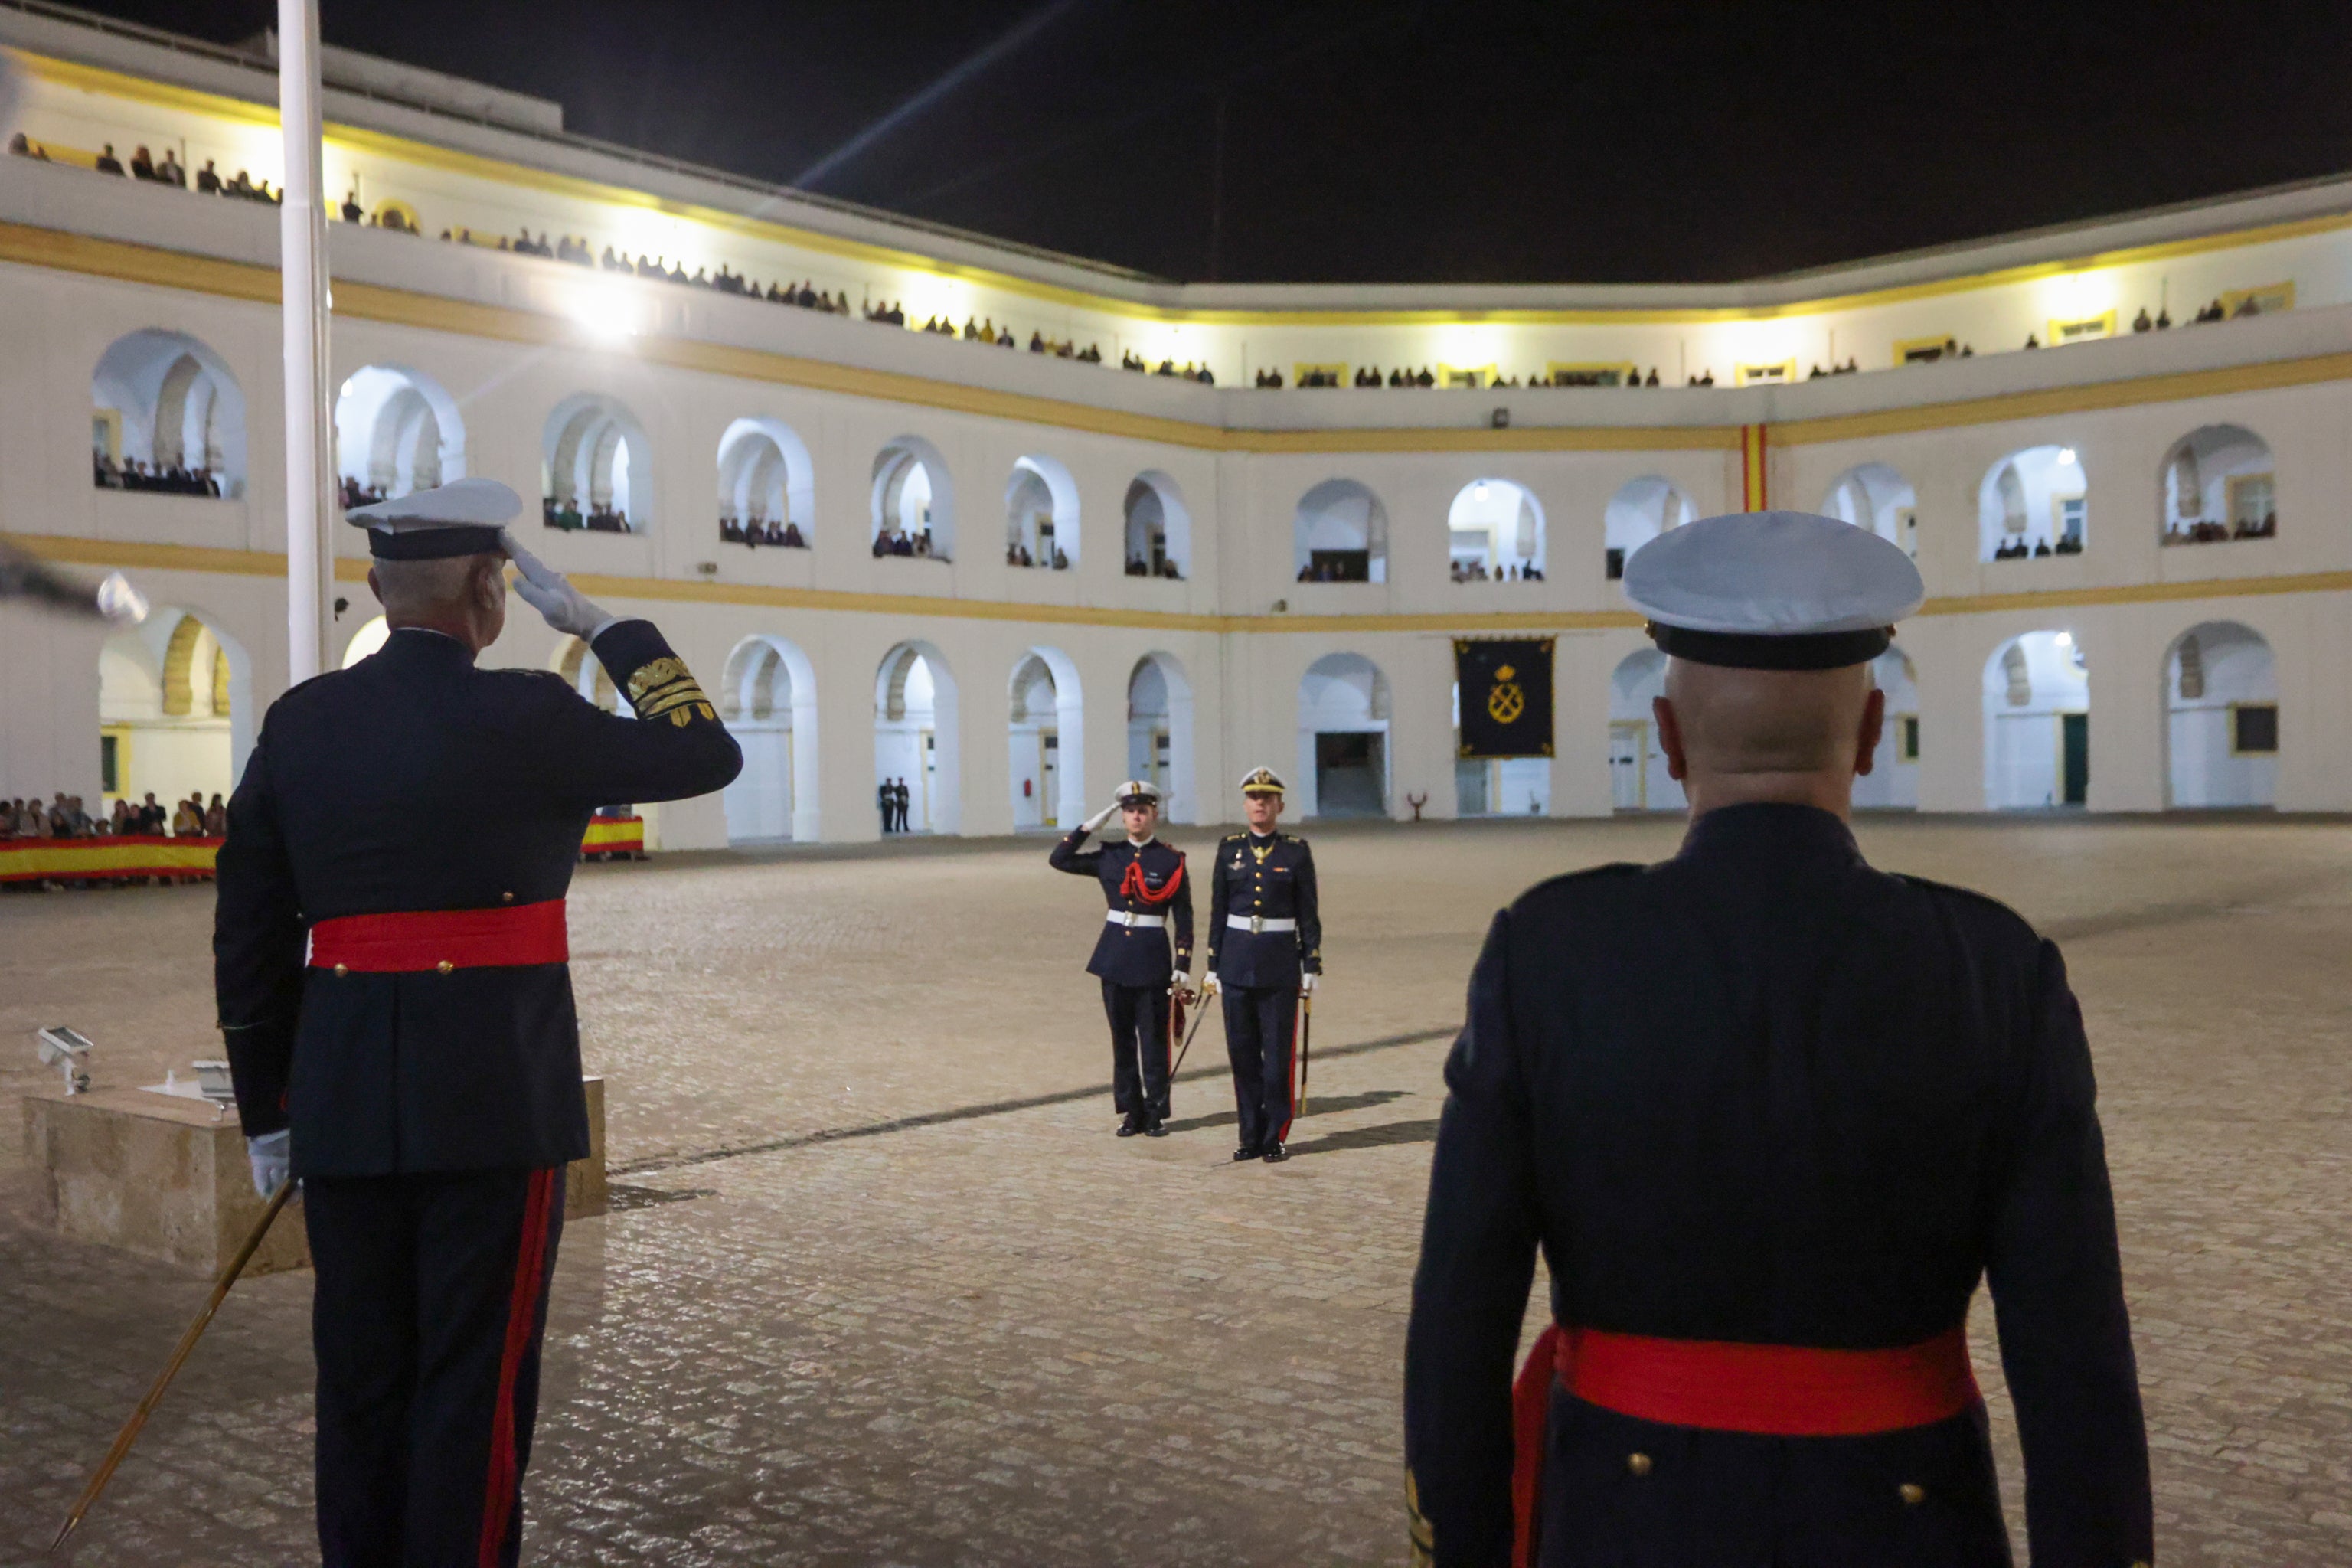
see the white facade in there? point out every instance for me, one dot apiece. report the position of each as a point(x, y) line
point(673, 411)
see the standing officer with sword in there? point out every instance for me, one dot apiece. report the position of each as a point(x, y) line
point(391, 963)
point(1266, 954)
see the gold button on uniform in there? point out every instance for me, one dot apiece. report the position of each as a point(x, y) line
point(1912, 1494)
point(341, 970)
point(1638, 1463)
point(445, 966)
point(506, 898)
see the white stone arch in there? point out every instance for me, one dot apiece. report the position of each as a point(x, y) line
point(1046, 730)
point(1495, 530)
point(913, 497)
point(1158, 530)
point(765, 475)
point(1344, 738)
point(585, 674)
point(2220, 710)
point(1875, 497)
point(1642, 509)
point(1341, 528)
point(2037, 707)
point(167, 400)
point(396, 430)
point(2031, 500)
point(367, 638)
point(1893, 781)
point(1041, 512)
point(1160, 732)
point(2218, 482)
point(176, 705)
point(914, 735)
point(596, 462)
point(767, 697)
point(1638, 779)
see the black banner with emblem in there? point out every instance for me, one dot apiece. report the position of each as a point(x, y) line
point(1505, 686)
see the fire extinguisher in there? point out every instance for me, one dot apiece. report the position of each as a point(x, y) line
point(1025, 790)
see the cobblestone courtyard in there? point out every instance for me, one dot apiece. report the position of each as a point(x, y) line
point(884, 1290)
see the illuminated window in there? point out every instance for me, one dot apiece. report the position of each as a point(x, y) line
point(1764, 374)
point(2082, 330)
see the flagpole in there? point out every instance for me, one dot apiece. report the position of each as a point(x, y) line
point(302, 259)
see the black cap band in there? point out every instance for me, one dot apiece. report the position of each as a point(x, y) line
point(1749, 650)
point(433, 543)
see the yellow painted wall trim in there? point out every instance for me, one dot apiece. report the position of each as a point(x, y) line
point(139, 90)
point(2143, 594)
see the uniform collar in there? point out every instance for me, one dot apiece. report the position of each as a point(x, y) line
point(1769, 827)
point(424, 642)
point(1147, 844)
point(1254, 833)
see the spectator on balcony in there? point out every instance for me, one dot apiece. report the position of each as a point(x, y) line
point(208, 180)
point(108, 164)
point(142, 165)
point(23, 146)
point(352, 210)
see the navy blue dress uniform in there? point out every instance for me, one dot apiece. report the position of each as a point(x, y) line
point(412, 823)
point(1266, 938)
point(1149, 900)
point(1769, 1114)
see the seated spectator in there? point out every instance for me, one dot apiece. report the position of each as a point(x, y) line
point(187, 820)
point(108, 164)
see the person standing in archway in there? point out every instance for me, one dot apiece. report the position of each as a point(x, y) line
point(1143, 882)
point(1769, 1114)
point(1265, 952)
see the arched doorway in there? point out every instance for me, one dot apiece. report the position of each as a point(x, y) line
point(396, 431)
point(1158, 528)
point(1341, 534)
point(1639, 512)
point(2219, 482)
point(915, 739)
point(2036, 503)
point(1873, 496)
point(2221, 729)
point(1893, 781)
point(1046, 741)
point(1160, 734)
point(1041, 515)
point(1638, 779)
point(767, 486)
point(596, 467)
point(1343, 738)
point(166, 417)
point(2037, 714)
point(1495, 532)
point(913, 501)
point(175, 709)
point(767, 699)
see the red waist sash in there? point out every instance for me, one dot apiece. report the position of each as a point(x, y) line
point(1782, 1391)
point(442, 940)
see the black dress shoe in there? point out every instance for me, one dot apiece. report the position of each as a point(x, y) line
point(1131, 1126)
point(1156, 1128)
point(1275, 1154)
point(1246, 1152)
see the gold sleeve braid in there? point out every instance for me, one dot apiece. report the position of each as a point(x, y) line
point(665, 688)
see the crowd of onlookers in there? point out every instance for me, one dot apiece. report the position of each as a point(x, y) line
point(1476, 571)
point(143, 166)
point(598, 519)
point(2200, 531)
point(2017, 550)
point(917, 545)
point(1137, 566)
point(169, 479)
point(1019, 554)
point(1188, 371)
point(757, 532)
point(358, 494)
point(66, 817)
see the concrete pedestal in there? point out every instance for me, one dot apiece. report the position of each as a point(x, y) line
point(167, 1177)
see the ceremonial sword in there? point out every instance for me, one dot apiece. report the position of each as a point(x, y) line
point(1198, 1019)
point(131, 1428)
point(28, 578)
point(1305, 1035)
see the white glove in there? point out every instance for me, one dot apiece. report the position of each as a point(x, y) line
point(1095, 823)
point(1210, 985)
point(1307, 984)
point(551, 592)
point(272, 1161)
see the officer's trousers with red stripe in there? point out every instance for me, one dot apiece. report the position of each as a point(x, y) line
point(1261, 1024)
point(429, 1305)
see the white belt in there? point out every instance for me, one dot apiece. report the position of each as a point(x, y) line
point(1121, 917)
point(1256, 923)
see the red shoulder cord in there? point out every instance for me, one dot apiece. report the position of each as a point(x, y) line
point(1131, 885)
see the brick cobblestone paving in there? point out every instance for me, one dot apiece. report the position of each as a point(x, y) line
point(882, 1289)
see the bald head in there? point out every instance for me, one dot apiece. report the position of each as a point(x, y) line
point(464, 596)
point(1793, 735)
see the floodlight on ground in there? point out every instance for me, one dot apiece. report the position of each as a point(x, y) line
point(67, 1050)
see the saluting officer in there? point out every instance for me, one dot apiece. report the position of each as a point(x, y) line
point(1770, 1114)
point(1143, 880)
point(413, 822)
point(1266, 952)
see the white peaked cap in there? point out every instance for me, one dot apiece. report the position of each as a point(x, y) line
point(1772, 590)
point(462, 512)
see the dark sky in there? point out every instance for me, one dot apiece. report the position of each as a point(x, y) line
point(1475, 140)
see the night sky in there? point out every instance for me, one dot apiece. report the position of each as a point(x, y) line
point(1480, 140)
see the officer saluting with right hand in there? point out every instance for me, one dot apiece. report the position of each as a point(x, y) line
point(1769, 1114)
point(1266, 952)
point(390, 960)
